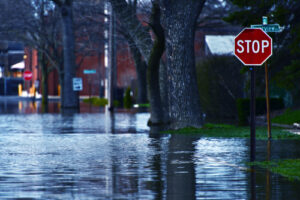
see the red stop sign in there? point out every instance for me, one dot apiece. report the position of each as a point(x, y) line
point(252, 46)
point(27, 75)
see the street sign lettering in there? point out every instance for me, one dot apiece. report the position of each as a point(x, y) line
point(89, 71)
point(268, 27)
point(253, 46)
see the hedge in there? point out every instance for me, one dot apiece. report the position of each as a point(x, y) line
point(127, 101)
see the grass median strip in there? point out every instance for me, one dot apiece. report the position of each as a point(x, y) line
point(288, 117)
point(289, 168)
point(231, 131)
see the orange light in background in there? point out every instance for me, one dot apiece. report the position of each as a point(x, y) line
point(20, 106)
point(20, 89)
point(25, 57)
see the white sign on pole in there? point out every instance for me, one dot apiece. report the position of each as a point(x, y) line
point(77, 84)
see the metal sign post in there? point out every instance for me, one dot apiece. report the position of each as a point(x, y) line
point(268, 28)
point(252, 47)
point(268, 100)
point(252, 115)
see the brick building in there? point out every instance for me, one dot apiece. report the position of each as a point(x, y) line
point(93, 83)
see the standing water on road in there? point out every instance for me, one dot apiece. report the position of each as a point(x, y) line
point(103, 156)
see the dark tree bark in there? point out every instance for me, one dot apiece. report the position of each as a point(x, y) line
point(139, 40)
point(179, 21)
point(151, 53)
point(140, 65)
point(139, 33)
point(141, 69)
point(157, 116)
point(44, 83)
point(62, 88)
point(43, 63)
point(112, 69)
point(69, 97)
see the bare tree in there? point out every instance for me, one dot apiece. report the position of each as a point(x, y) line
point(133, 19)
point(179, 21)
point(37, 25)
point(69, 97)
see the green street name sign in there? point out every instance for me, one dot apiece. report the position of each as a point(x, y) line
point(89, 71)
point(268, 27)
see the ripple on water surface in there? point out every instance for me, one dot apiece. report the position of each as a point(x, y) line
point(100, 156)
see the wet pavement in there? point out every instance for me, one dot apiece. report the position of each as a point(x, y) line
point(96, 155)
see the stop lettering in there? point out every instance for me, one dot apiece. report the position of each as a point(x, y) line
point(250, 46)
point(253, 46)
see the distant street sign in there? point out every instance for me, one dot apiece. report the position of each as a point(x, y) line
point(89, 71)
point(268, 27)
point(27, 75)
point(37, 84)
point(77, 84)
point(253, 46)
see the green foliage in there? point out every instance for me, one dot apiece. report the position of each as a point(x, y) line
point(289, 168)
point(231, 131)
point(288, 117)
point(220, 83)
point(144, 105)
point(250, 12)
point(116, 103)
point(210, 125)
point(100, 102)
point(291, 75)
point(243, 108)
point(285, 62)
point(127, 99)
point(96, 101)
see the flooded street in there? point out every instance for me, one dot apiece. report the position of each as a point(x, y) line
point(96, 155)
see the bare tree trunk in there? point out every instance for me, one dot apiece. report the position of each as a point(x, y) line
point(112, 70)
point(139, 33)
point(142, 40)
point(43, 64)
point(179, 20)
point(157, 116)
point(44, 84)
point(140, 66)
point(164, 86)
point(70, 97)
point(141, 69)
point(61, 82)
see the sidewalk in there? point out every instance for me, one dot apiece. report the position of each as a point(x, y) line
point(30, 98)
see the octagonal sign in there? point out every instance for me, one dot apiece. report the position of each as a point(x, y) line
point(27, 75)
point(253, 46)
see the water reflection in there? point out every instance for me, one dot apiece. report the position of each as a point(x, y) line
point(113, 156)
point(13, 105)
point(272, 186)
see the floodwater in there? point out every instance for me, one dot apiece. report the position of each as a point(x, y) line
point(96, 155)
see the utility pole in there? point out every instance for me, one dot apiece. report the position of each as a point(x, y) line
point(106, 25)
point(112, 62)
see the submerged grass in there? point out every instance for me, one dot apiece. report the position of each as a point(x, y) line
point(96, 101)
point(289, 168)
point(288, 117)
point(231, 131)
